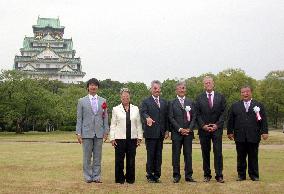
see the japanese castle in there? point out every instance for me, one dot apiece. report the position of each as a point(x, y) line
point(48, 55)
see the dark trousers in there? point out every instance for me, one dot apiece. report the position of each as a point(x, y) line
point(125, 148)
point(205, 142)
point(154, 149)
point(245, 149)
point(186, 143)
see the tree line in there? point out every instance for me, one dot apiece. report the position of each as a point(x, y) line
point(43, 105)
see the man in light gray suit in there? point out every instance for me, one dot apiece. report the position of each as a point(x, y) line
point(92, 126)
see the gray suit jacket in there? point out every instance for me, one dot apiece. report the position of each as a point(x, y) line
point(90, 124)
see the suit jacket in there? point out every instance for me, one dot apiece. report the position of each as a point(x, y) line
point(89, 123)
point(118, 123)
point(206, 115)
point(178, 118)
point(149, 108)
point(244, 124)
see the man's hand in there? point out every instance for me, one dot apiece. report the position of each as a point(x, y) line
point(214, 127)
point(264, 136)
point(139, 142)
point(167, 135)
point(113, 143)
point(105, 137)
point(150, 121)
point(79, 138)
point(207, 128)
point(231, 136)
point(184, 131)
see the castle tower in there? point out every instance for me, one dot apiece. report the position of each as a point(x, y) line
point(48, 55)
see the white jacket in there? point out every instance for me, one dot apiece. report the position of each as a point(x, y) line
point(118, 123)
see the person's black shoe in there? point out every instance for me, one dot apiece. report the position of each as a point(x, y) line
point(190, 179)
point(254, 178)
point(151, 180)
point(176, 179)
point(241, 179)
point(158, 181)
point(206, 179)
point(220, 180)
point(88, 181)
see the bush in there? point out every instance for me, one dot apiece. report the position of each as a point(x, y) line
point(67, 128)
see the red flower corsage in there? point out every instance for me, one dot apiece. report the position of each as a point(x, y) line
point(104, 107)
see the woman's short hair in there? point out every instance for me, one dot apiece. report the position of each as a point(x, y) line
point(124, 90)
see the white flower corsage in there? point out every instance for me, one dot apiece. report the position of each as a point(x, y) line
point(188, 109)
point(256, 109)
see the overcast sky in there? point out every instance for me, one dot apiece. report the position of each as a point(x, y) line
point(142, 40)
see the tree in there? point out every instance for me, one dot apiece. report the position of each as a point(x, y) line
point(272, 91)
point(229, 83)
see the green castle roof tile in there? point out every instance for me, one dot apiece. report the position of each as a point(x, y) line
point(27, 43)
point(48, 22)
point(63, 60)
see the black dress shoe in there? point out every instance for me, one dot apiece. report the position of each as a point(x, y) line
point(206, 179)
point(254, 178)
point(130, 181)
point(88, 181)
point(176, 179)
point(120, 182)
point(190, 179)
point(158, 181)
point(241, 179)
point(220, 180)
point(151, 180)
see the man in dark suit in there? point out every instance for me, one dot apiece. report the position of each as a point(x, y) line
point(154, 115)
point(246, 125)
point(182, 118)
point(210, 106)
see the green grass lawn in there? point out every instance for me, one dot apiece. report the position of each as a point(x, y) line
point(47, 166)
point(275, 137)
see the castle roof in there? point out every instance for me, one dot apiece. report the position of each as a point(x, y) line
point(48, 22)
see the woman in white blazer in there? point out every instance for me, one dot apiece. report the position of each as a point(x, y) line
point(125, 135)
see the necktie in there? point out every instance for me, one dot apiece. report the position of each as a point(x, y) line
point(247, 106)
point(94, 104)
point(157, 102)
point(210, 100)
point(182, 102)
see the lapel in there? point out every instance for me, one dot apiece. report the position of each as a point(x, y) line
point(121, 109)
point(205, 99)
point(215, 100)
point(252, 104)
point(154, 103)
point(100, 102)
point(186, 102)
point(88, 103)
point(179, 104)
point(131, 111)
point(243, 108)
